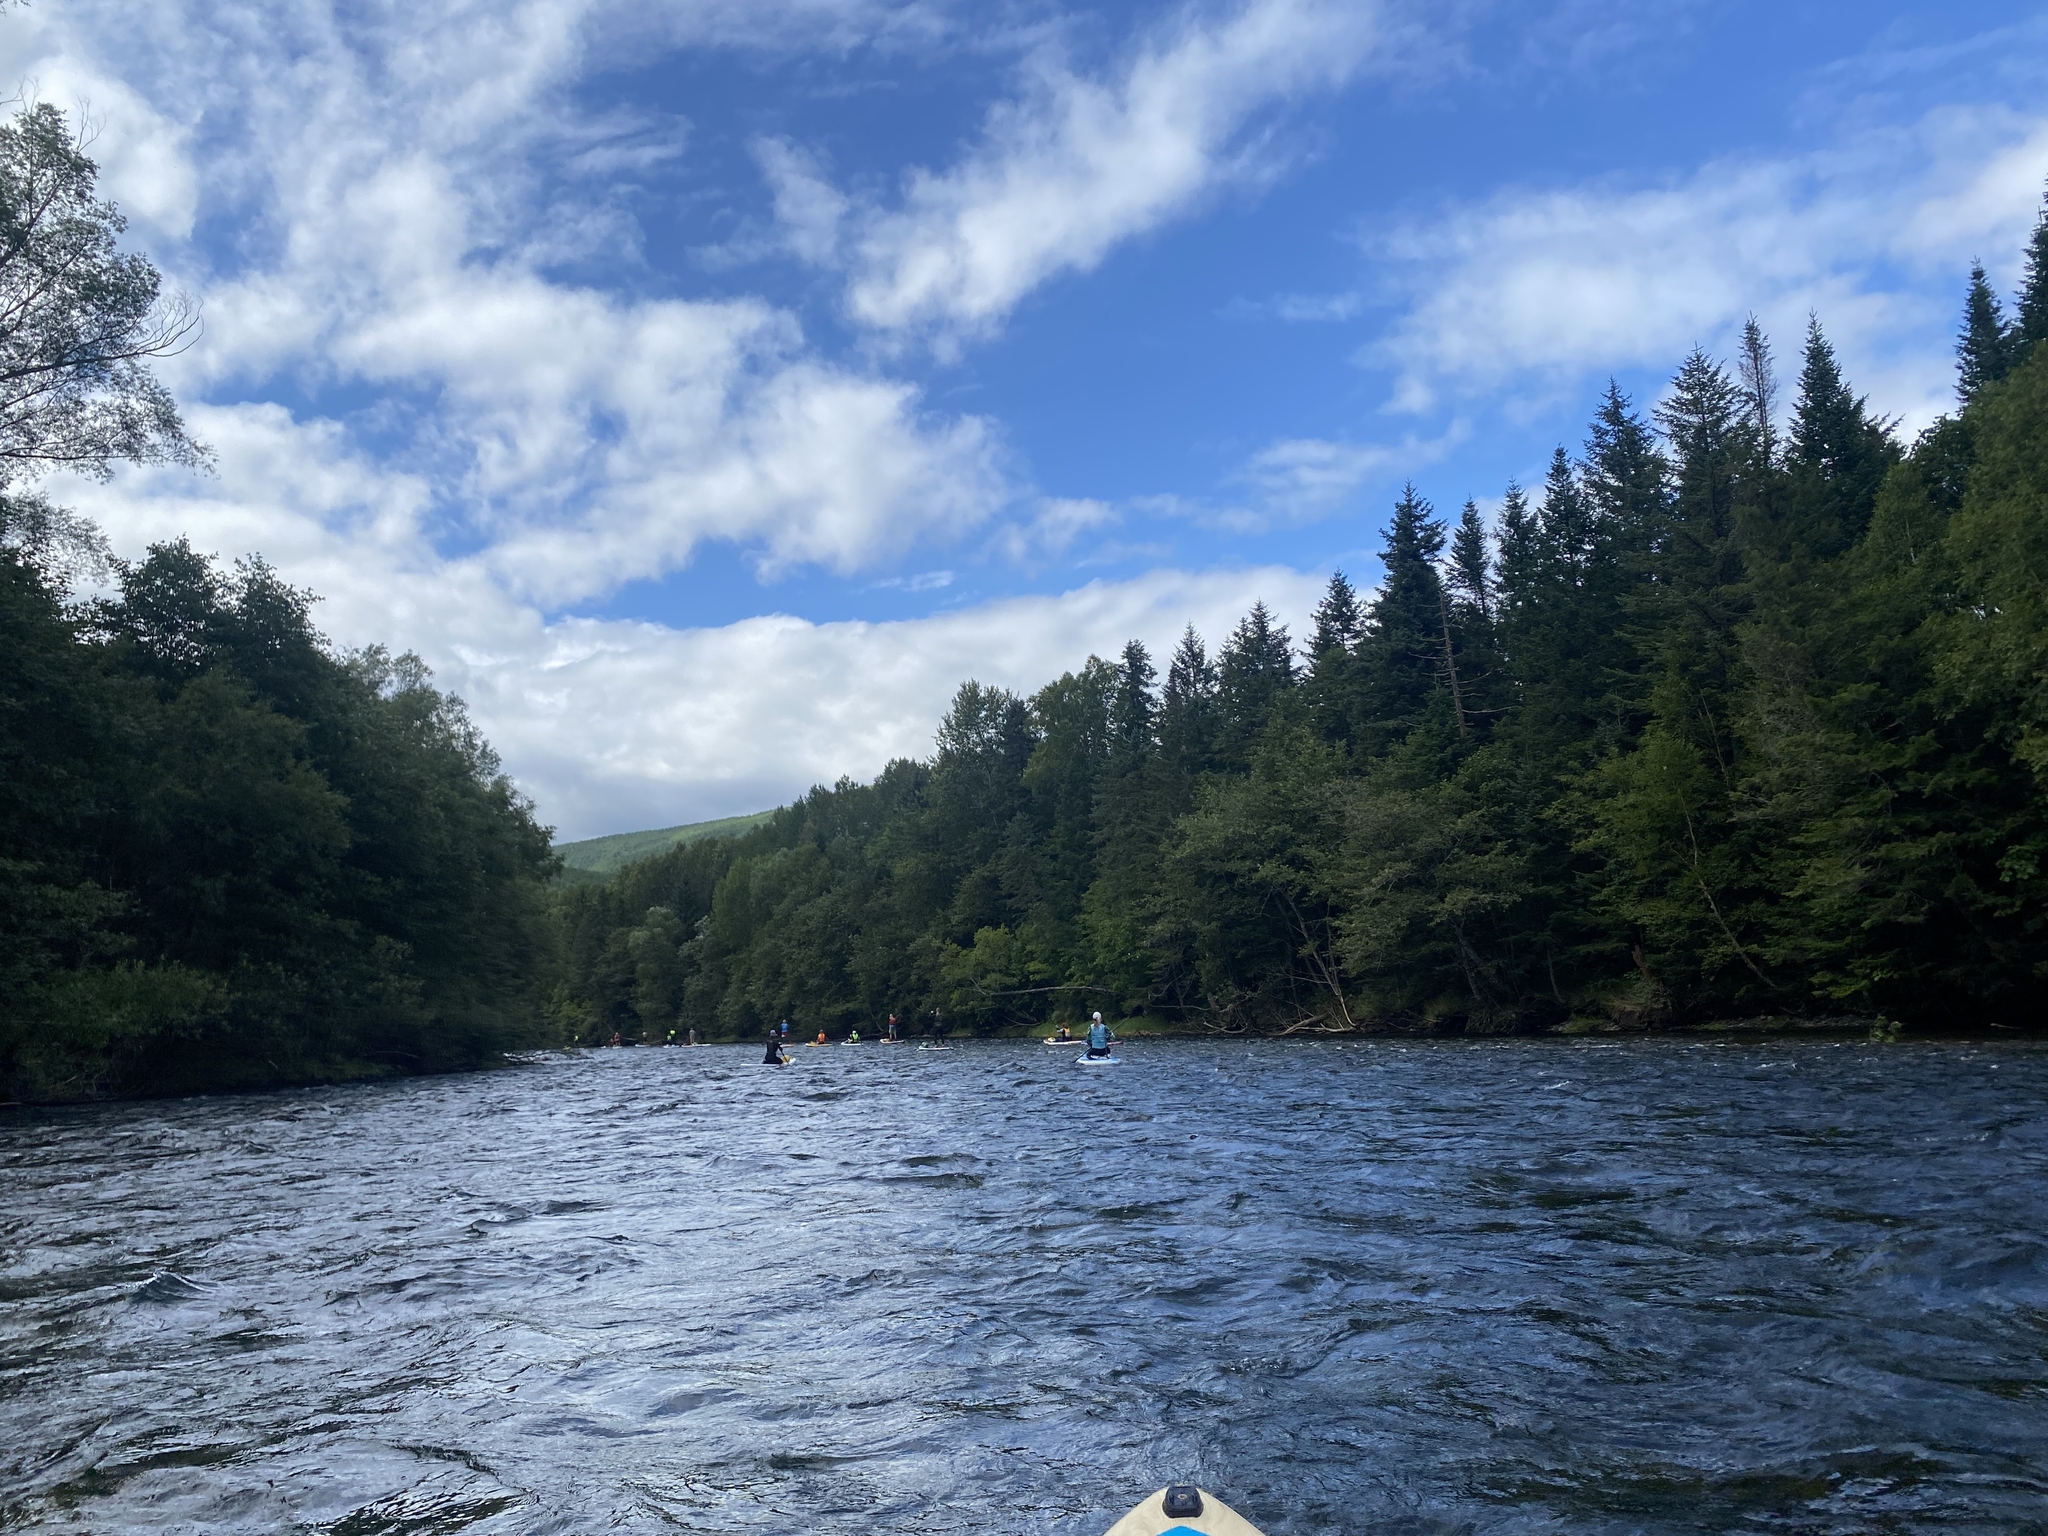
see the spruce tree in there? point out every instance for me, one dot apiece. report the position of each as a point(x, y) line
point(1187, 709)
point(1624, 480)
point(1565, 521)
point(2030, 323)
point(1839, 455)
point(1983, 349)
point(1337, 621)
point(1332, 681)
point(1684, 619)
point(1471, 574)
point(1702, 421)
point(1520, 555)
point(1402, 657)
point(1472, 601)
point(1253, 669)
point(1133, 711)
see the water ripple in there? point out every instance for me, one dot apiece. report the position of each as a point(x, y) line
point(1421, 1287)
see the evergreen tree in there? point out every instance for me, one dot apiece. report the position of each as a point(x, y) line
point(1702, 421)
point(1983, 347)
point(2030, 322)
point(1475, 639)
point(1566, 523)
point(1133, 714)
point(1402, 658)
point(1682, 623)
point(1521, 555)
point(1839, 455)
point(1338, 622)
point(1254, 670)
point(1624, 483)
point(1187, 710)
point(1471, 574)
point(1333, 673)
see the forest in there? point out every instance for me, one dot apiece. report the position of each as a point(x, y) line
point(1743, 712)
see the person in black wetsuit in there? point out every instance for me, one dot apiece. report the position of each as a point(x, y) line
point(774, 1056)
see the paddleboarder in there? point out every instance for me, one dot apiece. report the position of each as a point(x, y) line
point(1099, 1037)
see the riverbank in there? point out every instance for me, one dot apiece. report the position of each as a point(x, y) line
point(1152, 1027)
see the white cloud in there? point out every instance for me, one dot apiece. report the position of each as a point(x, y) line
point(1875, 235)
point(142, 155)
point(1057, 522)
point(1077, 165)
point(808, 209)
point(1299, 479)
point(613, 725)
point(383, 173)
point(621, 726)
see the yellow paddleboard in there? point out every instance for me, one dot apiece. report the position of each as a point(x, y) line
point(1183, 1510)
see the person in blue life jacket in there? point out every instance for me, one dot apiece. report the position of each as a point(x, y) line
point(1099, 1037)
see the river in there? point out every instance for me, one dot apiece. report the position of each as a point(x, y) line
point(1656, 1285)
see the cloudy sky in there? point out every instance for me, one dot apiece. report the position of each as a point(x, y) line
point(705, 388)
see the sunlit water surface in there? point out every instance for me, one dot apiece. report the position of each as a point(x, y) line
point(1657, 1286)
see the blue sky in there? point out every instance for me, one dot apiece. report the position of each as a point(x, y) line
point(705, 389)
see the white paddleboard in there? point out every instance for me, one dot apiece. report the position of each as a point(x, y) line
point(1210, 1516)
point(1100, 1061)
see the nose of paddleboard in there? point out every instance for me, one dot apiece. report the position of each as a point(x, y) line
point(1183, 1510)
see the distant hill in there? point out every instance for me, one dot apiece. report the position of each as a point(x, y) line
point(598, 858)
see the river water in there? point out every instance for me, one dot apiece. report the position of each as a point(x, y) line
point(1516, 1286)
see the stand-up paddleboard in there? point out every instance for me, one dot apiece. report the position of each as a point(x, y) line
point(1183, 1510)
point(935, 1047)
point(1071, 1040)
point(1100, 1061)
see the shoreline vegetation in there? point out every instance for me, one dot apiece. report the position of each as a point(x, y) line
point(1738, 722)
point(1741, 717)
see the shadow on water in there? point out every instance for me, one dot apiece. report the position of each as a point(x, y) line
point(1419, 1287)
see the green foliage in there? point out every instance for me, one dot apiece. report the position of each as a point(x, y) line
point(2030, 324)
point(79, 319)
point(1732, 720)
point(229, 857)
point(1984, 349)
